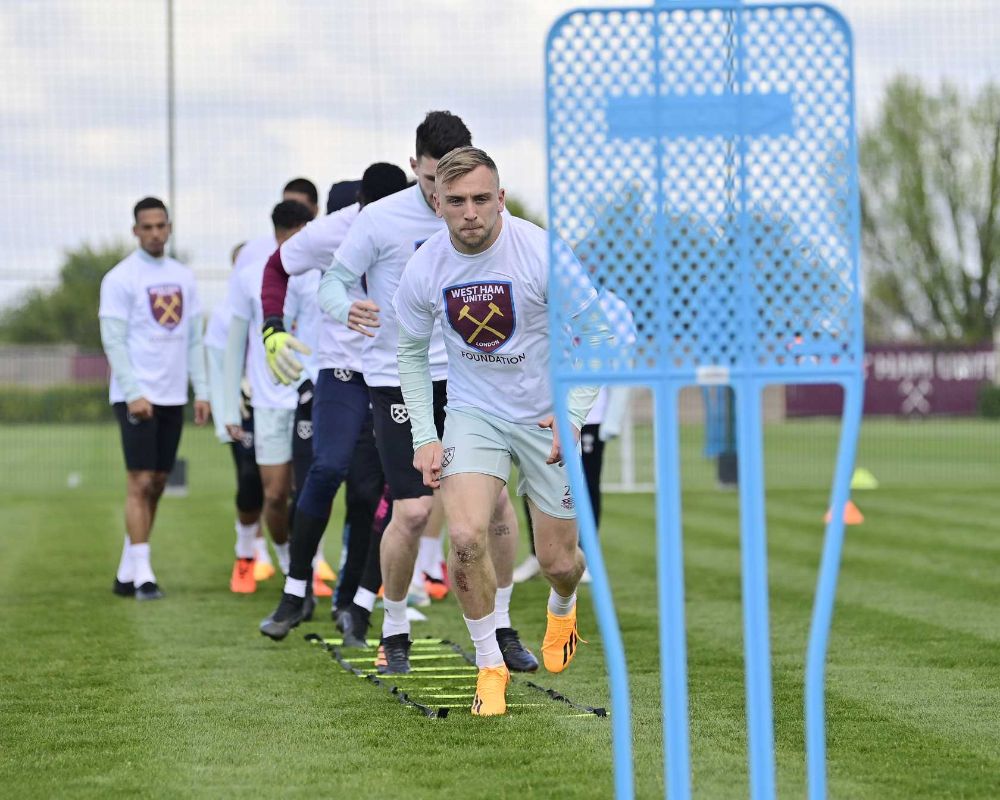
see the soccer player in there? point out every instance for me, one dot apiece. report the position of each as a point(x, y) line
point(151, 330)
point(275, 406)
point(379, 244)
point(486, 279)
point(343, 439)
point(253, 562)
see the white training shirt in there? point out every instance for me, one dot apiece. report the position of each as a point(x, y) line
point(493, 312)
point(156, 297)
point(379, 243)
point(313, 248)
point(243, 296)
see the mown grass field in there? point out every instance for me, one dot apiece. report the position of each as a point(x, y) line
point(104, 697)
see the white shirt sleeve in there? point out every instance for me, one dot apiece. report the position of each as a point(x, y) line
point(413, 311)
point(236, 298)
point(299, 253)
point(116, 299)
point(359, 249)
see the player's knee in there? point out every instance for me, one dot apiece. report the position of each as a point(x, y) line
point(326, 478)
point(276, 496)
point(559, 566)
point(467, 545)
point(412, 515)
point(249, 499)
point(144, 485)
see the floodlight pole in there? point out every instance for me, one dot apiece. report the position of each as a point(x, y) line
point(171, 131)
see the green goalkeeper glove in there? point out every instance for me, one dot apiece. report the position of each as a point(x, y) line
point(278, 347)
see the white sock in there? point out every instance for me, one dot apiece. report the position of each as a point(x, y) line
point(142, 570)
point(124, 574)
point(246, 535)
point(501, 608)
point(395, 620)
point(260, 551)
point(429, 558)
point(484, 637)
point(561, 606)
point(295, 586)
point(283, 551)
point(365, 599)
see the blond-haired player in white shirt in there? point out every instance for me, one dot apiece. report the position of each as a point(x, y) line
point(485, 280)
point(380, 242)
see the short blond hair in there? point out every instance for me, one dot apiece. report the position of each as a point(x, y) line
point(461, 161)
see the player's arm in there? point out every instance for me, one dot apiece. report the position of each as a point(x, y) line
point(232, 372)
point(274, 286)
point(196, 369)
point(418, 394)
point(360, 315)
point(614, 414)
point(279, 345)
point(114, 334)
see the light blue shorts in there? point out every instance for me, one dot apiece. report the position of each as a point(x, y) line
point(475, 441)
point(272, 440)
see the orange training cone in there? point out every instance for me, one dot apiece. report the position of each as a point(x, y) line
point(852, 514)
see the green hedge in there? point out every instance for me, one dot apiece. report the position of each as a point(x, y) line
point(81, 402)
point(989, 401)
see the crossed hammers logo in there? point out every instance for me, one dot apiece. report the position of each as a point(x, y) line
point(483, 324)
point(168, 305)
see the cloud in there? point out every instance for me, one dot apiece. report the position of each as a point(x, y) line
point(271, 89)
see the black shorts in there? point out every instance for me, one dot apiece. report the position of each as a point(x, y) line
point(395, 441)
point(150, 444)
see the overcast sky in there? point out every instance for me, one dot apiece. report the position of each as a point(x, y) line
point(272, 89)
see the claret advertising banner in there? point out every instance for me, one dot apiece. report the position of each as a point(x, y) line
point(907, 380)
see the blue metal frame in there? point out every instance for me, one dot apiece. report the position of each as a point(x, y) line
point(803, 325)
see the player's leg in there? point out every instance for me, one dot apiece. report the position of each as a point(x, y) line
point(468, 499)
point(475, 466)
point(528, 568)
point(592, 457)
point(169, 424)
point(428, 576)
point(250, 495)
point(562, 564)
point(302, 458)
point(150, 447)
point(502, 544)
point(273, 451)
point(363, 491)
point(249, 504)
point(338, 413)
point(353, 621)
point(411, 509)
point(556, 540)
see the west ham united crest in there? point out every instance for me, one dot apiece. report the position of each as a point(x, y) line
point(167, 304)
point(481, 313)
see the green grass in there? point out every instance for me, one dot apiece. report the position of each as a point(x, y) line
point(103, 697)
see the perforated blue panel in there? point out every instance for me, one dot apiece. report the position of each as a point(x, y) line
point(701, 164)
